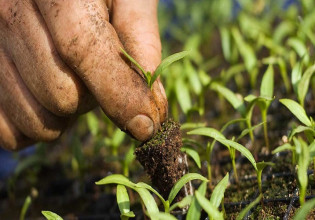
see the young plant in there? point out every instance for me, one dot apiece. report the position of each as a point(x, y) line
point(211, 132)
point(25, 207)
point(144, 190)
point(244, 212)
point(304, 210)
point(149, 77)
point(303, 158)
point(211, 206)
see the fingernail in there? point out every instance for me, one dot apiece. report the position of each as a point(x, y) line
point(141, 127)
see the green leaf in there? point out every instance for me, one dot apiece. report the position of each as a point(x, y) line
point(134, 62)
point(194, 211)
point(164, 216)
point(165, 63)
point(92, 122)
point(248, 130)
point(262, 165)
point(188, 125)
point(183, 203)
point(226, 43)
point(123, 201)
point(193, 77)
point(303, 211)
point(297, 110)
point(183, 96)
point(266, 88)
point(243, 150)
point(304, 84)
point(148, 201)
point(218, 192)
point(209, 132)
point(25, 207)
point(300, 129)
point(181, 182)
point(193, 154)
point(116, 179)
point(211, 210)
point(298, 46)
point(283, 147)
point(51, 216)
point(118, 138)
point(235, 101)
point(243, 213)
point(245, 50)
point(296, 76)
point(148, 187)
point(311, 149)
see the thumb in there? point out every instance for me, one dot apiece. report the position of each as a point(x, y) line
point(137, 27)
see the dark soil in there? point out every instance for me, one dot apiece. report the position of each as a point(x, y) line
point(162, 159)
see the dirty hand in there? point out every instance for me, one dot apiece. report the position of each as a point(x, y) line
point(58, 56)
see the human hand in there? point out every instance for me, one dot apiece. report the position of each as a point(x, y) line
point(58, 56)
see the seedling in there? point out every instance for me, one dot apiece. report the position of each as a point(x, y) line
point(149, 77)
point(144, 190)
point(211, 132)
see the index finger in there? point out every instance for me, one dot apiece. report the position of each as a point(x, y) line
point(90, 46)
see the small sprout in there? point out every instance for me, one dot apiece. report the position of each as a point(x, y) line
point(194, 211)
point(260, 167)
point(243, 213)
point(25, 207)
point(150, 79)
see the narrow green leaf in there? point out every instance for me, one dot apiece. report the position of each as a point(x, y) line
point(296, 76)
point(148, 201)
point(298, 46)
point(194, 211)
point(304, 84)
point(166, 62)
point(148, 187)
point(266, 88)
point(118, 138)
point(193, 77)
point(127, 215)
point(193, 154)
point(211, 210)
point(243, 150)
point(123, 199)
point(304, 210)
point(283, 147)
point(235, 101)
point(116, 179)
point(300, 129)
point(164, 216)
point(250, 98)
point(248, 130)
point(51, 216)
point(262, 165)
point(181, 182)
point(25, 207)
point(218, 192)
point(183, 96)
point(209, 132)
point(183, 203)
point(243, 213)
point(134, 62)
point(188, 125)
point(226, 43)
point(297, 110)
point(245, 50)
point(92, 122)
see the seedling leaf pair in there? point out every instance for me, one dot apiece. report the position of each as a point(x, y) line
point(150, 79)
